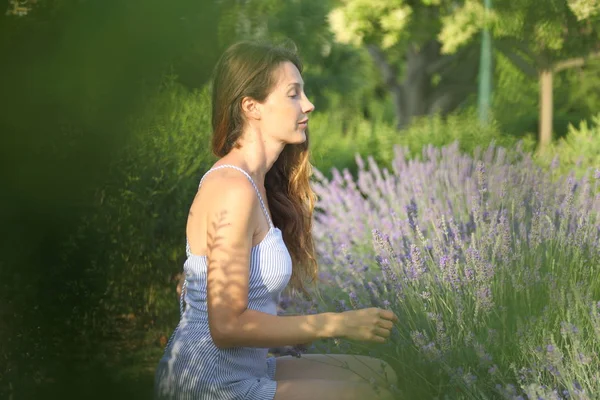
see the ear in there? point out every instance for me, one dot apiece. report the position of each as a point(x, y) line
point(251, 108)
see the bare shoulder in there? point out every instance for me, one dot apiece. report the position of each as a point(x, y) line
point(227, 193)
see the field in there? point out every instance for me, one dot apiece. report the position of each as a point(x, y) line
point(491, 263)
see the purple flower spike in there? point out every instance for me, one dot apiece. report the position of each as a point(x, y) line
point(418, 267)
point(451, 234)
point(353, 299)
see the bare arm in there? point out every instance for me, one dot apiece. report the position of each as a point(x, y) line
point(257, 329)
point(233, 217)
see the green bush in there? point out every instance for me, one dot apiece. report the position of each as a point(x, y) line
point(462, 127)
point(336, 141)
point(158, 181)
point(577, 151)
point(134, 239)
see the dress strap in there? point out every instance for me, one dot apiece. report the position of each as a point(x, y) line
point(262, 203)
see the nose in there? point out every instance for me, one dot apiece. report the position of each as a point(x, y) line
point(307, 106)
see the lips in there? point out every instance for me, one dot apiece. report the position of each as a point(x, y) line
point(305, 121)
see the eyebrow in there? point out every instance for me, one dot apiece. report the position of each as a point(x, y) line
point(296, 84)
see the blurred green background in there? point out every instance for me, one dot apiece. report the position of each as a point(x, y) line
point(105, 126)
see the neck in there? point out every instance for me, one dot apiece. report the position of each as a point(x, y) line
point(256, 154)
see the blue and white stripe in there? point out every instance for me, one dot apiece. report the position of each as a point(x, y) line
point(192, 367)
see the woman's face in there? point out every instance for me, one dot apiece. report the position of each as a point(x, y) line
point(284, 113)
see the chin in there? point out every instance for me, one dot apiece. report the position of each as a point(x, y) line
point(298, 138)
point(302, 137)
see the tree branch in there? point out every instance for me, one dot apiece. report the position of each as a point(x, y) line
point(574, 62)
point(387, 72)
point(526, 67)
point(464, 71)
point(447, 97)
point(536, 59)
point(444, 61)
point(441, 63)
point(391, 81)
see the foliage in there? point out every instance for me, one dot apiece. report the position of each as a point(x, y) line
point(336, 138)
point(332, 146)
point(360, 21)
point(462, 25)
point(122, 259)
point(516, 98)
point(579, 150)
point(491, 265)
point(580, 91)
point(400, 37)
point(530, 37)
point(462, 127)
point(100, 169)
point(141, 212)
point(584, 9)
point(552, 32)
point(331, 68)
point(74, 74)
point(387, 24)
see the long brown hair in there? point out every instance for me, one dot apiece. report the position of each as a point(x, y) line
point(246, 69)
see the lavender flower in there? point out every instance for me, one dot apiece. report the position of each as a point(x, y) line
point(483, 236)
point(354, 300)
point(481, 180)
point(469, 379)
point(484, 299)
point(341, 306)
point(412, 213)
point(390, 275)
point(417, 264)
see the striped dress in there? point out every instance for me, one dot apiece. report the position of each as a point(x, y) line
point(192, 367)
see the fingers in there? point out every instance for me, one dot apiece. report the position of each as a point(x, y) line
point(385, 333)
point(374, 324)
point(380, 335)
point(387, 314)
point(385, 324)
point(379, 339)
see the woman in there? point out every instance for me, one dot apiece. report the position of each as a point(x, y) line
point(248, 236)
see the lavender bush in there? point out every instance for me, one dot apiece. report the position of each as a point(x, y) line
point(491, 265)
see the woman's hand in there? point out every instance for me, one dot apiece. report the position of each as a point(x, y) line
point(367, 324)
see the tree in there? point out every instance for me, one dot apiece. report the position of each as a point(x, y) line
point(540, 41)
point(332, 70)
point(401, 37)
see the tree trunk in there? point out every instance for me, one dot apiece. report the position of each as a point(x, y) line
point(546, 106)
point(415, 95)
point(391, 82)
point(410, 96)
point(416, 84)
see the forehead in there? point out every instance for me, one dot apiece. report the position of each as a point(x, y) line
point(287, 73)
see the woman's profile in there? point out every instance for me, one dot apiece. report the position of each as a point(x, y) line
point(248, 238)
